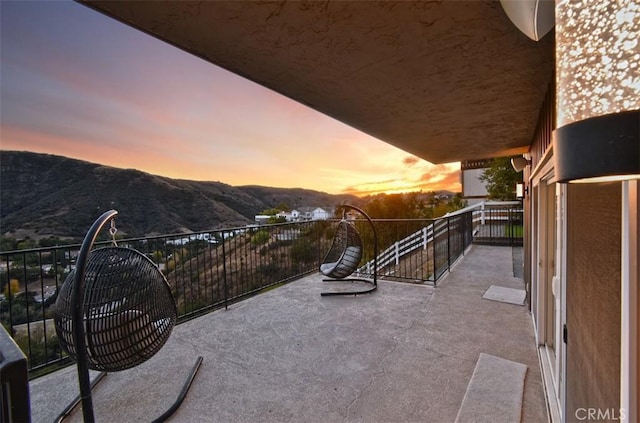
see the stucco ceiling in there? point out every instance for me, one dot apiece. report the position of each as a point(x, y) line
point(444, 80)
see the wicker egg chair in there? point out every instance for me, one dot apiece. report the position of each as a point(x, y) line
point(114, 311)
point(128, 310)
point(345, 254)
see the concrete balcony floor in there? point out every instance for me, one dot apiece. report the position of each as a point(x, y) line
point(405, 353)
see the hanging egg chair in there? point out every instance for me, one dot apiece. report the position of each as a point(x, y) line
point(114, 311)
point(345, 254)
point(128, 310)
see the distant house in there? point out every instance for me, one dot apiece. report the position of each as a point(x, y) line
point(194, 237)
point(314, 213)
point(320, 213)
point(297, 215)
point(262, 219)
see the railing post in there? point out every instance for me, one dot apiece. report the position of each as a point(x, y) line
point(10, 296)
point(463, 232)
point(397, 252)
point(224, 272)
point(510, 225)
point(318, 228)
point(424, 238)
point(448, 246)
point(469, 230)
point(433, 231)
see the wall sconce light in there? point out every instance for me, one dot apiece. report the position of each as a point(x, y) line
point(599, 149)
point(598, 91)
point(519, 163)
point(534, 18)
point(521, 190)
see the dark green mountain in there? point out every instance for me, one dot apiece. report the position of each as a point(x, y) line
point(43, 195)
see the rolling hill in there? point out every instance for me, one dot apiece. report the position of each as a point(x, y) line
point(45, 195)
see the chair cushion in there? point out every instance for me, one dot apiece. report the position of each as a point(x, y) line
point(326, 268)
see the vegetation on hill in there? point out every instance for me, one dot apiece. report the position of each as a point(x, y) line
point(45, 196)
point(413, 205)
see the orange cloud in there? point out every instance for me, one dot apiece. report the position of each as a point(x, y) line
point(434, 178)
point(441, 177)
point(434, 174)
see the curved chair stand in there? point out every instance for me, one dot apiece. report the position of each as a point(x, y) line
point(345, 255)
point(114, 311)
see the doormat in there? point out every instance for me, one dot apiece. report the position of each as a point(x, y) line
point(505, 295)
point(495, 391)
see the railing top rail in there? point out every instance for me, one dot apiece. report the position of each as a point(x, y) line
point(467, 209)
point(45, 249)
point(481, 205)
point(417, 219)
point(152, 237)
point(502, 203)
point(221, 231)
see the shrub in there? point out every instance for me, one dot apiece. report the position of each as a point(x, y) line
point(260, 237)
point(302, 251)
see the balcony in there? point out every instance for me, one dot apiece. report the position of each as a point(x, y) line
point(407, 352)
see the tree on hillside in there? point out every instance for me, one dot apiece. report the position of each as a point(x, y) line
point(283, 207)
point(277, 219)
point(270, 211)
point(456, 203)
point(8, 243)
point(13, 287)
point(501, 179)
point(395, 206)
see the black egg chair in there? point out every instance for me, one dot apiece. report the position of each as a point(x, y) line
point(114, 311)
point(344, 256)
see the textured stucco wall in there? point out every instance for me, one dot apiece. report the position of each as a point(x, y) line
point(593, 297)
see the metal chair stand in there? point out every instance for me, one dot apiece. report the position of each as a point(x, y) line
point(345, 255)
point(113, 312)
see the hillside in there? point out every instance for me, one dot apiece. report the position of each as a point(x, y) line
point(43, 195)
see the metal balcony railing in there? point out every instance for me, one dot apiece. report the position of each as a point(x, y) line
point(499, 223)
point(211, 269)
point(205, 270)
point(427, 253)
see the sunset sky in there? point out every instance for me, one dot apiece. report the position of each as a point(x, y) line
point(79, 84)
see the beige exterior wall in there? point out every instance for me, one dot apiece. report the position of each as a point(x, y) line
point(593, 298)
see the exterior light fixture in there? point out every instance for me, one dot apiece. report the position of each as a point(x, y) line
point(534, 18)
point(598, 91)
point(521, 190)
point(599, 149)
point(519, 163)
